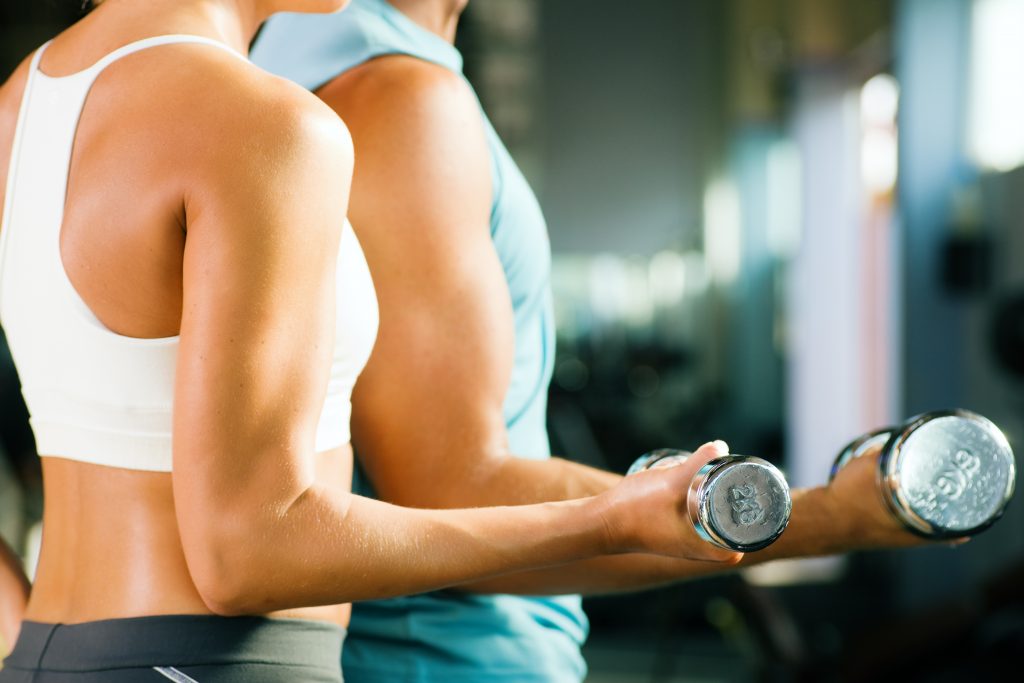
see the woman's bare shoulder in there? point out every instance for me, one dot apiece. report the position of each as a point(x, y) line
point(239, 103)
point(205, 112)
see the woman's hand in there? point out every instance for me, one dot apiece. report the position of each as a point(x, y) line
point(647, 512)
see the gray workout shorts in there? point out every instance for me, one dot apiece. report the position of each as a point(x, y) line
point(179, 648)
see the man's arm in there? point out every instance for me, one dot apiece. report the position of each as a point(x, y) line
point(846, 515)
point(427, 410)
point(427, 418)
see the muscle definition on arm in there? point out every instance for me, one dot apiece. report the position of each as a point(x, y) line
point(443, 359)
point(244, 393)
point(444, 353)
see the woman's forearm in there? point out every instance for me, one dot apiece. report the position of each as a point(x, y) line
point(326, 546)
point(364, 549)
point(813, 530)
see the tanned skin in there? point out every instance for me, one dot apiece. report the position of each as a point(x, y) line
point(421, 202)
point(206, 198)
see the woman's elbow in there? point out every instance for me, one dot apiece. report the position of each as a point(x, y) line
point(225, 570)
point(223, 594)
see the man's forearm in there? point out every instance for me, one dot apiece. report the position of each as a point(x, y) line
point(814, 529)
point(534, 481)
point(505, 480)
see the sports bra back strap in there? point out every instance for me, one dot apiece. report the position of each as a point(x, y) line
point(131, 48)
point(85, 78)
point(35, 59)
point(15, 151)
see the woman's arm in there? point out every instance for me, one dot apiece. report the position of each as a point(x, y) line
point(259, 533)
point(14, 590)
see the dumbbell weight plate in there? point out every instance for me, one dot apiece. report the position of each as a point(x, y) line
point(741, 503)
point(947, 474)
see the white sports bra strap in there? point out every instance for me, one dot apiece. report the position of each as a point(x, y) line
point(92, 71)
point(15, 151)
point(155, 41)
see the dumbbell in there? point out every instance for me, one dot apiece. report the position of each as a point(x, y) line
point(736, 502)
point(943, 474)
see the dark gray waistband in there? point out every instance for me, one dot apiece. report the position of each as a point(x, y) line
point(177, 640)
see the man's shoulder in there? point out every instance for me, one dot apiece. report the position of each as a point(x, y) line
point(404, 88)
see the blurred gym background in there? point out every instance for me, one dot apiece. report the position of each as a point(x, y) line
point(777, 222)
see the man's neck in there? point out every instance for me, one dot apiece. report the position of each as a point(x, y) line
point(437, 16)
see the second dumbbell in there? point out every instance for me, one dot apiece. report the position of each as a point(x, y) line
point(944, 474)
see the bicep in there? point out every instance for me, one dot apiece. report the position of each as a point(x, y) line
point(256, 331)
point(428, 406)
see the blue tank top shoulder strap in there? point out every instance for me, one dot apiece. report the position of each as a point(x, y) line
point(312, 52)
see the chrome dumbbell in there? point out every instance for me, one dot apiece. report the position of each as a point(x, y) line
point(943, 474)
point(736, 502)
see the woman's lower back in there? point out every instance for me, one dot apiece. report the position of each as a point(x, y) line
point(111, 547)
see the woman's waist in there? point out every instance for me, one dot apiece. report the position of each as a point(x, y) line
point(136, 597)
point(112, 547)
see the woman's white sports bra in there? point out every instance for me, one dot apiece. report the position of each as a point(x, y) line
point(96, 396)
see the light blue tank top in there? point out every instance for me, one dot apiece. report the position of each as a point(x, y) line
point(450, 637)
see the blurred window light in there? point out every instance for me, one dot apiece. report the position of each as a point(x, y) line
point(639, 305)
point(796, 571)
point(667, 275)
point(996, 105)
point(571, 287)
point(722, 224)
point(879, 99)
point(878, 160)
point(619, 291)
point(608, 287)
point(696, 274)
point(879, 147)
point(783, 180)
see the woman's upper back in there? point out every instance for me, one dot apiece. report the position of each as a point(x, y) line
point(97, 209)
